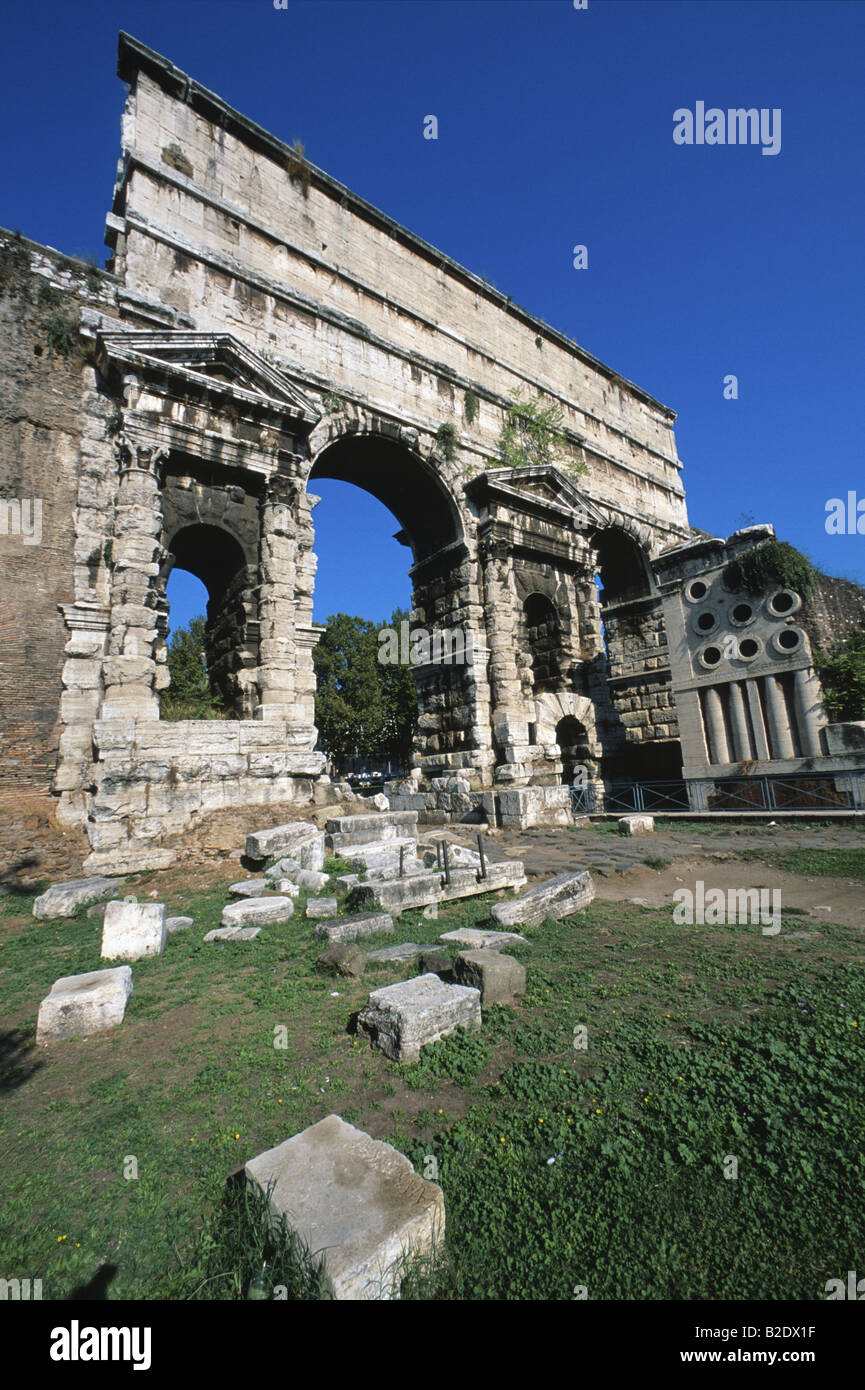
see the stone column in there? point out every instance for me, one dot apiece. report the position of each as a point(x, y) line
point(276, 604)
point(719, 750)
point(761, 743)
point(509, 722)
point(129, 670)
point(808, 711)
point(739, 723)
point(780, 736)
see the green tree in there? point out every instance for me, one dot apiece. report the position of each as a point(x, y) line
point(189, 695)
point(349, 708)
point(399, 693)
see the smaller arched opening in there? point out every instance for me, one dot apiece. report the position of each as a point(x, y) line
point(573, 740)
point(544, 640)
point(230, 633)
point(621, 566)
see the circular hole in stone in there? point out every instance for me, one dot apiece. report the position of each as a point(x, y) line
point(711, 656)
point(788, 639)
point(698, 589)
point(782, 602)
point(748, 647)
point(742, 613)
point(706, 622)
point(37, 351)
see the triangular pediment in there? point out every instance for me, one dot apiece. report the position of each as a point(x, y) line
point(544, 484)
point(208, 361)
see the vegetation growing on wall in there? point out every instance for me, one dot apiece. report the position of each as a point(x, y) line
point(297, 166)
point(446, 438)
point(532, 436)
point(842, 676)
point(173, 156)
point(470, 406)
point(772, 562)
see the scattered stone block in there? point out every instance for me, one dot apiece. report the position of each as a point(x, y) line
point(557, 897)
point(342, 958)
point(80, 1005)
point(348, 881)
point(173, 924)
point(355, 1200)
point(283, 868)
point(133, 930)
point(233, 934)
point(481, 939)
point(257, 912)
point(301, 840)
point(500, 978)
point(286, 886)
point(63, 899)
point(380, 802)
point(251, 888)
point(394, 954)
point(401, 1019)
point(636, 825)
point(321, 907)
point(350, 928)
point(312, 878)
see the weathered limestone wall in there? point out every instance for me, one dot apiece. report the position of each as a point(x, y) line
point(207, 210)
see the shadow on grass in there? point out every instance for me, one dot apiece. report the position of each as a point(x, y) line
point(18, 1059)
point(10, 876)
point(97, 1289)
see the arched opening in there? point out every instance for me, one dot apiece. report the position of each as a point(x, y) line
point(622, 567)
point(543, 637)
point(428, 524)
point(573, 741)
point(230, 630)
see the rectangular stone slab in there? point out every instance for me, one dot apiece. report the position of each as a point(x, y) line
point(299, 840)
point(421, 889)
point(479, 939)
point(401, 1019)
point(62, 899)
point(131, 931)
point(394, 954)
point(79, 1005)
point(321, 907)
point(350, 928)
point(233, 934)
point(257, 912)
point(556, 897)
point(354, 1199)
point(345, 831)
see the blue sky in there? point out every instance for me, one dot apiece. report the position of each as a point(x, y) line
point(555, 128)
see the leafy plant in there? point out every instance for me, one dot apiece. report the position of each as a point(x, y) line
point(772, 562)
point(332, 404)
point(842, 676)
point(446, 438)
point(189, 695)
point(532, 436)
point(471, 405)
point(60, 336)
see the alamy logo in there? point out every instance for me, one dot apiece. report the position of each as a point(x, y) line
point(855, 1288)
point(76, 1343)
point(18, 1290)
point(846, 519)
point(22, 517)
point(739, 126)
point(418, 647)
point(736, 907)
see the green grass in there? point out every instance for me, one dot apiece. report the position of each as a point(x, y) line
point(816, 863)
point(635, 1204)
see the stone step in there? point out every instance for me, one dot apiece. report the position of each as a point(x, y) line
point(380, 854)
point(344, 831)
point(299, 840)
point(354, 1199)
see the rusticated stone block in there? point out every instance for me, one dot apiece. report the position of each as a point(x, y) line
point(350, 928)
point(257, 912)
point(500, 978)
point(132, 930)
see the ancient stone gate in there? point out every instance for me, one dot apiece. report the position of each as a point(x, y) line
point(259, 327)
